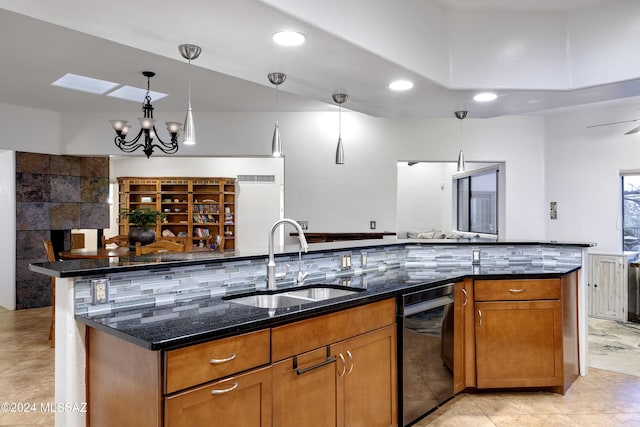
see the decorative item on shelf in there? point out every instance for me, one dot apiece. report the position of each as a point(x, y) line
point(339, 98)
point(461, 115)
point(189, 52)
point(147, 131)
point(141, 224)
point(276, 143)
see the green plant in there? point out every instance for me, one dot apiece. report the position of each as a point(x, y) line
point(143, 217)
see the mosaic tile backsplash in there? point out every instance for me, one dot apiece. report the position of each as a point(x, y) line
point(165, 287)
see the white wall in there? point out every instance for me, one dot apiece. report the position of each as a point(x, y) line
point(257, 205)
point(346, 197)
point(8, 218)
point(30, 130)
point(424, 197)
point(583, 173)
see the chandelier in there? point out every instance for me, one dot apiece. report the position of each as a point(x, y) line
point(147, 134)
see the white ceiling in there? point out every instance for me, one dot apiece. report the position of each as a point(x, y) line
point(538, 55)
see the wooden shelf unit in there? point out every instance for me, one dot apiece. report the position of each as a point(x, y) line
point(201, 208)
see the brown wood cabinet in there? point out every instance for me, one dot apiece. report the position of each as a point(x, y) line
point(526, 333)
point(240, 401)
point(127, 385)
point(199, 208)
point(346, 364)
point(367, 379)
point(464, 361)
point(349, 379)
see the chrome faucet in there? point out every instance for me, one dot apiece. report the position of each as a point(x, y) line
point(271, 265)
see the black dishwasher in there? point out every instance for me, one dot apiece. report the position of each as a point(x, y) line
point(425, 351)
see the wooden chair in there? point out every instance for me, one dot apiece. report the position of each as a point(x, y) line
point(51, 257)
point(162, 246)
point(185, 240)
point(121, 240)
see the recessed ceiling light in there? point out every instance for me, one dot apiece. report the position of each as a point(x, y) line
point(289, 38)
point(131, 93)
point(485, 97)
point(84, 84)
point(401, 85)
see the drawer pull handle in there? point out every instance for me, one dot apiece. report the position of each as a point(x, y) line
point(328, 360)
point(466, 297)
point(480, 317)
point(225, 390)
point(516, 291)
point(228, 359)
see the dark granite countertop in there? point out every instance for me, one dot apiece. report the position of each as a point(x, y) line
point(89, 267)
point(193, 321)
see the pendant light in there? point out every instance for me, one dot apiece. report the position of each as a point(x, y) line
point(461, 115)
point(339, 98)
point(190, 52)
point(276, 143)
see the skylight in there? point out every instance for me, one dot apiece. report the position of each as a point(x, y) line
point(131, 93)
point(103, 87)
point(84, 84)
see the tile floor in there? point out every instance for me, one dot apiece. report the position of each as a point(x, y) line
point(602, 398)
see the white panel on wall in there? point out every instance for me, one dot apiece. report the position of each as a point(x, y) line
point(8, 218)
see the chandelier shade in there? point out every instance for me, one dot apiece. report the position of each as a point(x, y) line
point(147, 138)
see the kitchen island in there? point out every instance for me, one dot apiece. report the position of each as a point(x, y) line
point(165, 303)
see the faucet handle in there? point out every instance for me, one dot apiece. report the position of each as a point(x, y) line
point(283, 275)
point(301, 277)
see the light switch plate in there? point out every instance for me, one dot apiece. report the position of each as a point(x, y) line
point(372, 225)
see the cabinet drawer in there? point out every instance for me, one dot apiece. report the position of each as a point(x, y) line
point(244, 400)
point(516, 290)
point(306, 335)
point(201, 363)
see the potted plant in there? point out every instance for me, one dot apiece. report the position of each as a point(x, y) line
point(142, 223)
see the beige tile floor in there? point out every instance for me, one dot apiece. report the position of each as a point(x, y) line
point(26, 366)
point(601, 398)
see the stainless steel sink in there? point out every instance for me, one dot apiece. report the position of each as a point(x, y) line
point(290, 298)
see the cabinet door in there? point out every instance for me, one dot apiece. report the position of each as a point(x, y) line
point(519, 344)
point(367, 373)
point(464, 374)
point(304, 390)
point(606, 286)
point(241, 401)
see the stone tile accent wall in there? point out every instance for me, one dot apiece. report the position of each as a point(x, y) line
point(54, 193)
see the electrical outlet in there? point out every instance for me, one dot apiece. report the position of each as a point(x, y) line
point(346, 261)
point(372, 225)
point(304, 225)
point(363, 259)
point(100, 291)
point(476, 257)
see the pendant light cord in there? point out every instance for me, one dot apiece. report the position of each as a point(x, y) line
point(189, 82)
point(339, 120)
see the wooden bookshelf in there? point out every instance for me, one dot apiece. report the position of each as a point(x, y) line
point(200, 208)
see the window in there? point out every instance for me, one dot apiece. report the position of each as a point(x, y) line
point(476, 201)
point(631, 212)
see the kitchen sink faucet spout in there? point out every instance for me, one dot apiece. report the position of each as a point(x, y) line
point(271, 265)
